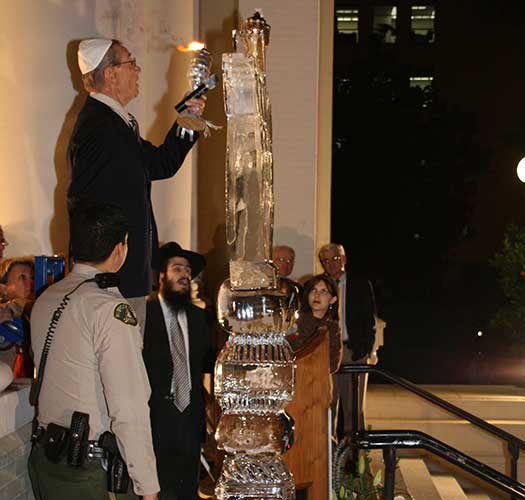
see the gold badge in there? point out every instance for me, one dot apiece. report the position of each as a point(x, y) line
point(123, 312)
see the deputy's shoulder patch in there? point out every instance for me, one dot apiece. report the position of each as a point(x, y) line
point(123, 312)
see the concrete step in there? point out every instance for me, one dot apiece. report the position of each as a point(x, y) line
point(471, 485)
point(419, 476)
point(448, 487)
point(418, 480)
point(490, 402)
point(377, 463)
point(391, 407)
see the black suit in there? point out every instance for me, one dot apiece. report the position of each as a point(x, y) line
point(359, 316)
point(110, 165)
point(177, 437)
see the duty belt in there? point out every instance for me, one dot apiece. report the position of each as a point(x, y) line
point(94, 451)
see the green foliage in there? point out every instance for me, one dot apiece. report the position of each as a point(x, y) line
point(510, 265)
point(360, 484)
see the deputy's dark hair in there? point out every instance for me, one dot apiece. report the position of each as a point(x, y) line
point(95, 230)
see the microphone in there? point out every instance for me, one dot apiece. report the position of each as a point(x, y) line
point(209, 84)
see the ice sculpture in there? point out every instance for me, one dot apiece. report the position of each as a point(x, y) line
point(249, 163)
point(254, 373)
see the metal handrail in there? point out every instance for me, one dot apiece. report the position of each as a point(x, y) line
point(391, 440)
point(514, 444)
point(479, 422)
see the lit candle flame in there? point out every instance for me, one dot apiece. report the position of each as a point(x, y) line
point(191, 47)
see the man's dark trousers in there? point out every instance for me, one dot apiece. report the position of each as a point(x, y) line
point(177, 437)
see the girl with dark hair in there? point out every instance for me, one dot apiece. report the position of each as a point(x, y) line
point(318, 312)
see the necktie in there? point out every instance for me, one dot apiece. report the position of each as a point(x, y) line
point(180, 382)
point(134, 124)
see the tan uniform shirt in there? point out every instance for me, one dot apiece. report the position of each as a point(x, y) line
point(95, 366)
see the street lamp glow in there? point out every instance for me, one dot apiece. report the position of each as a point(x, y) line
point(521, 170)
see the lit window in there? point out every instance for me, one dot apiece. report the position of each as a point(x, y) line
point(422, 23)
point(347, 22)
point(421, 81)
point(422, 90)
point(343, 85)
point(385, 19)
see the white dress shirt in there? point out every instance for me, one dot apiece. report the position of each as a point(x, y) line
point(114, 105)
point(342, 307)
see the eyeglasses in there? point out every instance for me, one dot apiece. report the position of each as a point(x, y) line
point(282, 259)
point(323, 291)
point(335, 258)
point(4, 242)
point(133, 63)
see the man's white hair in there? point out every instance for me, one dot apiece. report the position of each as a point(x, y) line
point(340, 249)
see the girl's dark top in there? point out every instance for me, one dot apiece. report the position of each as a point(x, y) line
point(308, 328)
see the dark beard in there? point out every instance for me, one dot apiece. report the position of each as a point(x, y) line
point(175, 300)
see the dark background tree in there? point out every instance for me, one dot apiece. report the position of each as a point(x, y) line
point(510, 266)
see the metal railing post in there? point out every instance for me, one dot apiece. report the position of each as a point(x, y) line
point(514, 453)
point(355, 416)
point(389, 457)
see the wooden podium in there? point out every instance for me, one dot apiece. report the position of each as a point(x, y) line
point(308, 457)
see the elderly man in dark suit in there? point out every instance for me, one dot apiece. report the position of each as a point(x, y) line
point(177, 349)
point(111, 163)
point(357, 312)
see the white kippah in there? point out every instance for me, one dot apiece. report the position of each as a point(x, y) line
point(91, 52)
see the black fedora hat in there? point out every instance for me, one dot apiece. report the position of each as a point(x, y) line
point(172, 249)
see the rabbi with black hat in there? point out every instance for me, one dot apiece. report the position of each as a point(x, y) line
point(177, 347)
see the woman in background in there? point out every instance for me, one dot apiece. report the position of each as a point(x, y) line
point(318, 313)
point(16, 301)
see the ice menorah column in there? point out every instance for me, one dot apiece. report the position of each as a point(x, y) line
point(254, 373)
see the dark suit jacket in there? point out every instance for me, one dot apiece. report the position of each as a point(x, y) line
point(109, 164)
point(168, 437)
point(359, 315)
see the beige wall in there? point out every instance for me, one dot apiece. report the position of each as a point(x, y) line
point(324, 130)
point(40, 97)
point(216, 22)
point(299, 73)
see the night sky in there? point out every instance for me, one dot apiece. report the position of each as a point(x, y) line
point(424, 183)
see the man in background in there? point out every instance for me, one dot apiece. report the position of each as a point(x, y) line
point(177, 350)
point(357, 312)
point(284, 258)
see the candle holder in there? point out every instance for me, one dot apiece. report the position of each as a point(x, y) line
point(201, 81)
